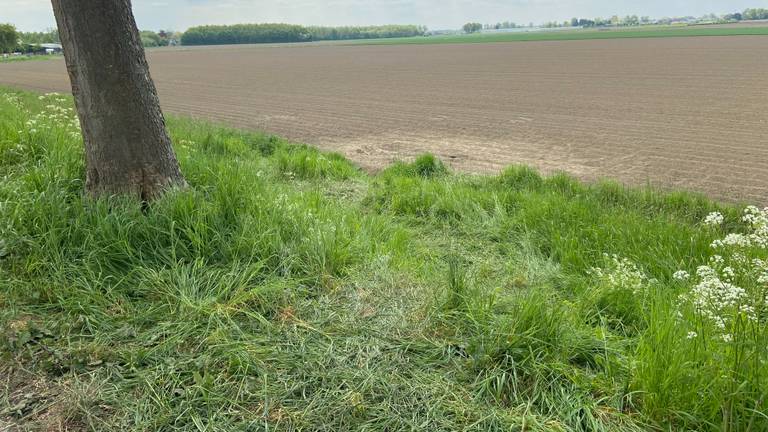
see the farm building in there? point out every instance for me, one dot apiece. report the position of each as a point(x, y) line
point(51, 48)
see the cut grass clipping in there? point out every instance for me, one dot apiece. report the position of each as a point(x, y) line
point(286, 290)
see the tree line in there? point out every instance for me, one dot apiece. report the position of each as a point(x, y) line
point(752, 14)
point(31, 38)
point(273, 33)
point(245, 34)
point(627, 21)
point(12, 40)
point(634, 20)
point(366, 32)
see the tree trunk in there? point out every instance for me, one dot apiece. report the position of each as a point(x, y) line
point(127, 148)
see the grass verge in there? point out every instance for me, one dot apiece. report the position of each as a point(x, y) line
point(13, 59)
point(287, 290)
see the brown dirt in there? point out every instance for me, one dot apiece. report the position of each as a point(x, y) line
point(686, 113)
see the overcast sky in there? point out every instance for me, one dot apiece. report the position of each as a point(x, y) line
point(33, 15)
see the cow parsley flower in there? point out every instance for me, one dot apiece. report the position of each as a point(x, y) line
point(622, 274)
point(733, 240)
point(731, 291)
point(714, 219)
point(681, 275)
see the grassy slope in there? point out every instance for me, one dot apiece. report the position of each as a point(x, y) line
point(649, 32)
point(286, 290)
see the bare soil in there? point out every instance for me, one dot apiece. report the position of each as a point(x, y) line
point(688, 113)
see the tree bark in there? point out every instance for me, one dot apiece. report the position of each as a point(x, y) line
point(127, 147)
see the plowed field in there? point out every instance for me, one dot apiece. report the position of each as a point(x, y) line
point(687, 113)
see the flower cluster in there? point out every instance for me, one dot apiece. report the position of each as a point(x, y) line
point(714, 219)
point(621, 274)
point(733, 287)
point(54, 115)
point(716, 298)
point(14, 100)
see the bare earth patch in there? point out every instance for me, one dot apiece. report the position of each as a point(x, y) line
point(687, 113)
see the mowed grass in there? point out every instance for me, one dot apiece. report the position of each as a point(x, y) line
point(579, 34)
point(286, 290)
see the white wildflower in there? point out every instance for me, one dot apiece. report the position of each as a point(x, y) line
point(705, 272)
point(714, 219)
point(681, 275)
point(692, 335)
point(733, 240)
point(621, 274)
point(729, 273)
point(753, 215)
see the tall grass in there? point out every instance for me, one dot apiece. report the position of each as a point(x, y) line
point(286, 290)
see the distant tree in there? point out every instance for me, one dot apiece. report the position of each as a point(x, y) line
point(755, 14)
point(585, 23)
point(127, 147)
point(472, 27)
point(503, 25)
point(574, 22)
point(9, 38)
point(49, 36)
point(631, 20)
point(150, 38)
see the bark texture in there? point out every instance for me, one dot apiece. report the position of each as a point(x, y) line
point(127, 147)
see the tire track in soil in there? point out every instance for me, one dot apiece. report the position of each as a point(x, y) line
point(688, 113)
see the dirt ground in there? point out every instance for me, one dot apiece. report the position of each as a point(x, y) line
point(687, 113)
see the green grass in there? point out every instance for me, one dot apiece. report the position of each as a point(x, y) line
point(287, 290)
point(580, 34)
point(14, 59)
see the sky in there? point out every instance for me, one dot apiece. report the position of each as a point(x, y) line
point(178, 15)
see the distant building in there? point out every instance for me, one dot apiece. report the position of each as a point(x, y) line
point(52, 48)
